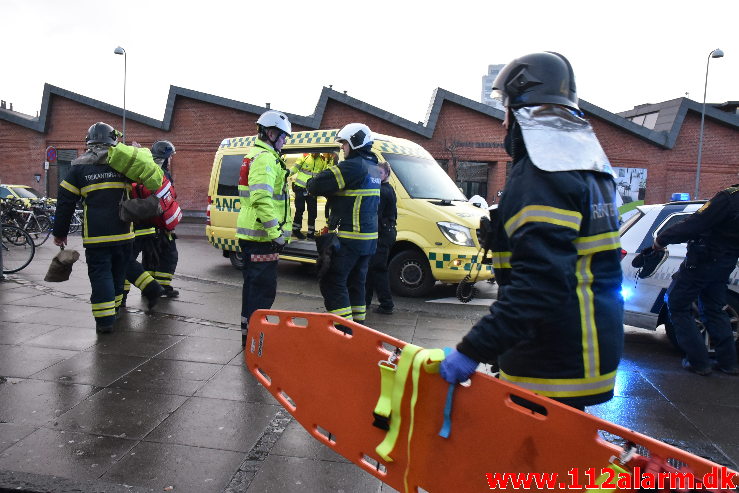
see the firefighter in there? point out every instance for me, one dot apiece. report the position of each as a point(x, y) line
point(353, 191)
point(162, 152)
point(712, 233)
point(264, 222)
point(106, 238)
point(140, 274)
point(304, 169)
point(557, 327)
point(377, 275)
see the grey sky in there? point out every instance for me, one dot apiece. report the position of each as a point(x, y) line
point(391, 54)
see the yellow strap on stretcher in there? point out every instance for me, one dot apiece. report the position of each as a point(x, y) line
point(393, 381)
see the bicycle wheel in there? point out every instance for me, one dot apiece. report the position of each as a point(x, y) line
point(76, 223)
point(39, 227)
point(17, 249)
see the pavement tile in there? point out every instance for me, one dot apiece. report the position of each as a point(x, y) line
point(34, 402)
point(216, 332)
point(635, 384)
point(10, 434)
point(160, 325)
point(204, 350)
point(215, 423)
point(72, 338)
point(299, 475)
point(19, 332)
point(134, 343)
point(235, 383)
point(81, 317)
point(184, 469)
point(89, 367)
point(120, 413)
point(690, 389)
point(168, 376)
point(16, 313)
point(718, 422)
point(295, 441)
point(24, 361)
point(56, 452)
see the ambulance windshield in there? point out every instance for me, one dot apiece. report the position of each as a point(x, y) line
point(423, 178)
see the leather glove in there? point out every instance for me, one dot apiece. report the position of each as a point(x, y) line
point(278, 244)
point(457, 367)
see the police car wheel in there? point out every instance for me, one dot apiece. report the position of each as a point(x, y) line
point(732, 309)
point(237, 260)
point(410, 274)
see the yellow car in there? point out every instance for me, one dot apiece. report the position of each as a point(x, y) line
point(437, 226)
point(23, 192)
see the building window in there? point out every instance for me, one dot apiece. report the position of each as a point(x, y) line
point(472, 178)
point(648, 120)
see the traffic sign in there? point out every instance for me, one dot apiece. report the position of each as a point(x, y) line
point(50, 153)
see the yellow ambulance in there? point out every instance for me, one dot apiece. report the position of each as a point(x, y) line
point(437, 226)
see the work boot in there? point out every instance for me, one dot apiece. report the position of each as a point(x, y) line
point(298, 234)
point(732, 370)
point(123, 300)
point(244, 332)
point(169, 292)
point(704, 372)
point(103, 329)
point(383, 310)
point(151, 294)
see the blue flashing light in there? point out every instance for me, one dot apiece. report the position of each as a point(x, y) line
point(680, 196)
point(626, 293)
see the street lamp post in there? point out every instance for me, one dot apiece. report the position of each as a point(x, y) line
point(717, 53)
point(121, 51)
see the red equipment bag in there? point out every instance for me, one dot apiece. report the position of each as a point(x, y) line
point(171, 212)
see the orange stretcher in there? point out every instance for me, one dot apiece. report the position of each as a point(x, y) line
point(330, 381)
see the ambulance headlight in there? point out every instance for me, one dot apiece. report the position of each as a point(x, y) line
point(456, 233)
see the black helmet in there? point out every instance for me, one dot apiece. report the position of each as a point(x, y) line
point(162, 149)
point(538, 78)
point(101, 133)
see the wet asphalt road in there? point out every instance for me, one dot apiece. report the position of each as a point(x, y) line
point(165, 404)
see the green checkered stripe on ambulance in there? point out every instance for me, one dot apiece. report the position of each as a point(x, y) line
point(237, 142)
point(317, 137)
point(440, 261)
point(393, 148)
point(224, 243)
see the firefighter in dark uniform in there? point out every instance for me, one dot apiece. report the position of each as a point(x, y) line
point(387, 216)
point(162, 152)
point(353, 191)
point(557, 327)
point(712, 233)
point(106, 238)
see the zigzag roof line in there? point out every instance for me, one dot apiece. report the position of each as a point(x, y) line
point(676, 111)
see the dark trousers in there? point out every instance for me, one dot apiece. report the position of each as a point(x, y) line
point(138, 274)
point(106, 268)
point(343, 285)
point(704, 282)
point(260, 279)
point(377, 275)
point(301, 201)
point(168, 258)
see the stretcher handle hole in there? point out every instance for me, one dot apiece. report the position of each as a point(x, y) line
point(322, 433)
point(286, 400)
point(264, 376)
point(299, 321)
point(272, 319)
point(373, 464)
point(390, 348)
point(535, 408)
point(343, 329)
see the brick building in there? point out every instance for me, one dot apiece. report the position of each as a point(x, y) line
point(466, 138)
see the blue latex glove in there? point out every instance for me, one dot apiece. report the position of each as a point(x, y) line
point(457, 367)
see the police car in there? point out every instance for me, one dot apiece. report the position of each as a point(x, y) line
point(644, 299)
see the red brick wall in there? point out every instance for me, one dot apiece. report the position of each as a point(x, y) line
point(198, 128)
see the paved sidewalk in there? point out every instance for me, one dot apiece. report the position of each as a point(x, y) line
point(165, 403)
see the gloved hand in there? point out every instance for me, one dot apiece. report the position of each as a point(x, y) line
point(457, 367)
point(278, 244)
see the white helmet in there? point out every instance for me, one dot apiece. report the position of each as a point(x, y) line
point(272, 118)
point(357, 134)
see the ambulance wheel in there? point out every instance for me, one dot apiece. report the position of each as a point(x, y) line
point(237, 259)
point(410, 274)
point(731, 309)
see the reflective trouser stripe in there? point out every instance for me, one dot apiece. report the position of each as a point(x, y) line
point(104, 309)
point(359, 313)
point(345, 312)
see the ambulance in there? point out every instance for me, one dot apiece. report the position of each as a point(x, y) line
point(437, 227)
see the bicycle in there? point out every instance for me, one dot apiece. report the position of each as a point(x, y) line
point(77, 221)
point(31, 218)
point(17, 248)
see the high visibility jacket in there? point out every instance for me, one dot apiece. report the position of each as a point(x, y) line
point(101, 189)
point(265, 201)
point(307, 167)
point(557, 327)
point(137, 164)
point(353, 191)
